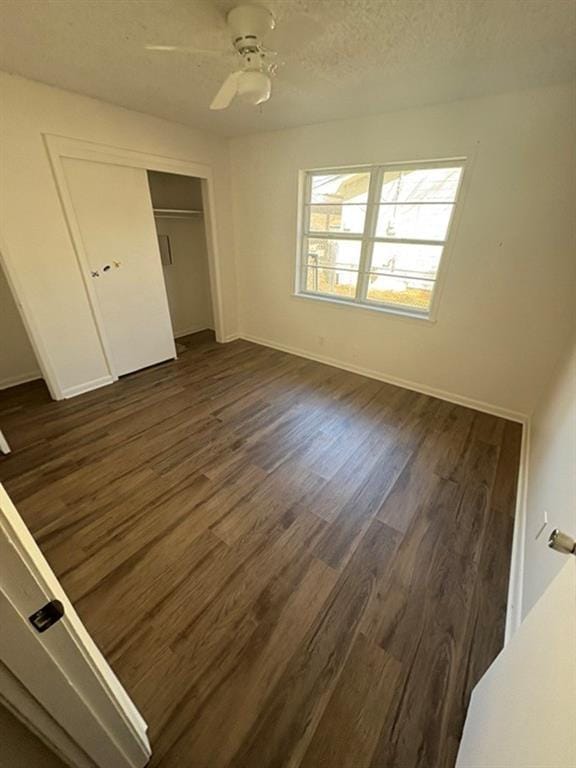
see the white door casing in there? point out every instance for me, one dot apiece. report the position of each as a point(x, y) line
point(61, 667)
point(113, 210)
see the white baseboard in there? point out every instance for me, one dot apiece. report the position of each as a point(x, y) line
point(232, 337)
point(188, 331)
point(516, 579)
point(476, 405)
point(87, 386)
point(21, 378)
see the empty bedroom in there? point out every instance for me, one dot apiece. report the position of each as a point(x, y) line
point(287, 383)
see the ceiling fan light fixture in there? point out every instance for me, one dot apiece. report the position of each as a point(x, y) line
point(254, 87)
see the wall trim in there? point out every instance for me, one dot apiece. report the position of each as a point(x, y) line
point(234, 337)
point(22, 378)
point(516, 579)
point(442, 394)
point(87, 386)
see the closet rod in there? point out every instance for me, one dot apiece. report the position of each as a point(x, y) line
point(176, 212)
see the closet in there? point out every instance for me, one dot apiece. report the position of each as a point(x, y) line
point(142, 248)
point(180, 226)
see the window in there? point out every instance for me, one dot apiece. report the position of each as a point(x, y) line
point(375, 236)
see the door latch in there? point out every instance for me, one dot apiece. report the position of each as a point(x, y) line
point(46, 616)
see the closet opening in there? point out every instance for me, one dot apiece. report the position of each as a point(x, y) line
point(180, 226)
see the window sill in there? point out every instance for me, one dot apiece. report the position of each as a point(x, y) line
point(406, 314)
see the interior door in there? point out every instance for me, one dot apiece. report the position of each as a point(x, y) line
point(523, 711)
point(114, 215)
point(58, 663)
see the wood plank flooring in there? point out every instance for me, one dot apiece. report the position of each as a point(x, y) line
point(286, 564)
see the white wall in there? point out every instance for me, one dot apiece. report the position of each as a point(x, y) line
point(35, 241)
point(551, 478)
point(17, 359)
point(506, 309)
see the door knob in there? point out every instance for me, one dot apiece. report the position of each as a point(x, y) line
point(561, 542)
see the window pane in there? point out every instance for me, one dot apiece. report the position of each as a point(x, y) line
point(336, 218)
point(421, 222)
point(413, 294)
point(340, 188)
point(333, 282)
point(407, 260)
point(332, 253)
point(420, 185)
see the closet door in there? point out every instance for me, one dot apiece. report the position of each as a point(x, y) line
point(114, 214)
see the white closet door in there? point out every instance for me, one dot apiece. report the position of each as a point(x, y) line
point(114, 214)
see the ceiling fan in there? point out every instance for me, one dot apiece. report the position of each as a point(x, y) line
point(248, 25)
point(252, 82)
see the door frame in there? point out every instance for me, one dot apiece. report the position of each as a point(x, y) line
point(100, 683)
point(60, 147)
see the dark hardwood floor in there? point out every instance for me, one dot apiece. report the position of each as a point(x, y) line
point(286, 564)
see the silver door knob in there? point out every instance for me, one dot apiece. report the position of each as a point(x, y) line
point(561, 542)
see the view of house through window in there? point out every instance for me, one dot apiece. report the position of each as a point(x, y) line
point(376, 236)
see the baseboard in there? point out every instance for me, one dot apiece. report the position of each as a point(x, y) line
point(450, 397)
point(22, 378)
point(516, 579)
point(188, 331)
point(88, 386)
point(232, 337)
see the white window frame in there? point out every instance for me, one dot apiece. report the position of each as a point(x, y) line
point(368, 237)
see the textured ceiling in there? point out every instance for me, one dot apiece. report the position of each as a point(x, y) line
point(340, 58)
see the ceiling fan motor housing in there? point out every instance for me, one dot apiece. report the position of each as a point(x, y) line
point(249, 24)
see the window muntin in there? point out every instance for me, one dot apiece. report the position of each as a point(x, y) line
point(376, 236)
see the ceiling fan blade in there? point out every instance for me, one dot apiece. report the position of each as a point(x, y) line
point(190, 49)
point(227, 92)
point(164, 48)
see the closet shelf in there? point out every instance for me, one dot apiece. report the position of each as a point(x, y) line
point(176, 213)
